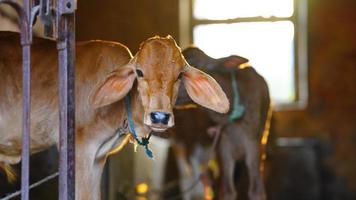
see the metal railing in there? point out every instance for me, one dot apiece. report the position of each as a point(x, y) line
point(58, 17)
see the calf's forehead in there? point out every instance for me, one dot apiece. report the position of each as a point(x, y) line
point(160, 55)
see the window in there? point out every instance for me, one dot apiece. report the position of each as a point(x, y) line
point(270, 33)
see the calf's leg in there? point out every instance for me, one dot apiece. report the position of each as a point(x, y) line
point(88, 171)
point(185, 171)
point(226, 162)
point(256, 189)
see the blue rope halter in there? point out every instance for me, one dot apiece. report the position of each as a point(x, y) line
point(238, 109)
point(145, 141)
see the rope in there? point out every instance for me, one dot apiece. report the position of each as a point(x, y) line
point(36, 184)
point(145, 141)
point(238, 109)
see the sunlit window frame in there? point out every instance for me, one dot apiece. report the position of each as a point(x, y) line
point(187, 22)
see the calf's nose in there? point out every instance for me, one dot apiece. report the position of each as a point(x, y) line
point(160, 117)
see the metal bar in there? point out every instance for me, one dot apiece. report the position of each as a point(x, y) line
point(26, 96)
point(46, 16)
point(27, 8)
point(26, 123)
point(33, 185)
point(26, 40)
point(66, 56)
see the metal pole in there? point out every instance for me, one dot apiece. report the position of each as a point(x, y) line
point(26, 102)
point(66, 56)
point(25, 153)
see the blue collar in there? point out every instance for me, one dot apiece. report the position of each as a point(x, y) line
point(238, 109)
point(145, 141)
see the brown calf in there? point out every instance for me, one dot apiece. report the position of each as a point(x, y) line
point(240, 139)
point(105, 73)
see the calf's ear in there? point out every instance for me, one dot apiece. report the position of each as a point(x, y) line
point(115, 86)
point(204, 90)
point(233, 61)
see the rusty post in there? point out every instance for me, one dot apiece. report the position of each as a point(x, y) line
point(26, 95)
point(25, 153)
point(26, 40)
point(66, 61)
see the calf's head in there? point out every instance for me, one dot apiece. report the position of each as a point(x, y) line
point(196, 56)
point(159, 68)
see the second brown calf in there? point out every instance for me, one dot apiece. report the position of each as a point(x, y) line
point(239, 140)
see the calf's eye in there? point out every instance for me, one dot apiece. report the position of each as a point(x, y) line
point(180, 76)
point(139, 73)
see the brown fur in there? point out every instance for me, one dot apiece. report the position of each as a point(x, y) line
point(239, 140)
point(105, 73)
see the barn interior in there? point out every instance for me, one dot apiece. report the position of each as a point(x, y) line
point(305, 49)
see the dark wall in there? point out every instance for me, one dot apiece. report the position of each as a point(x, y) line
point(331, 113)
point(129, 22)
